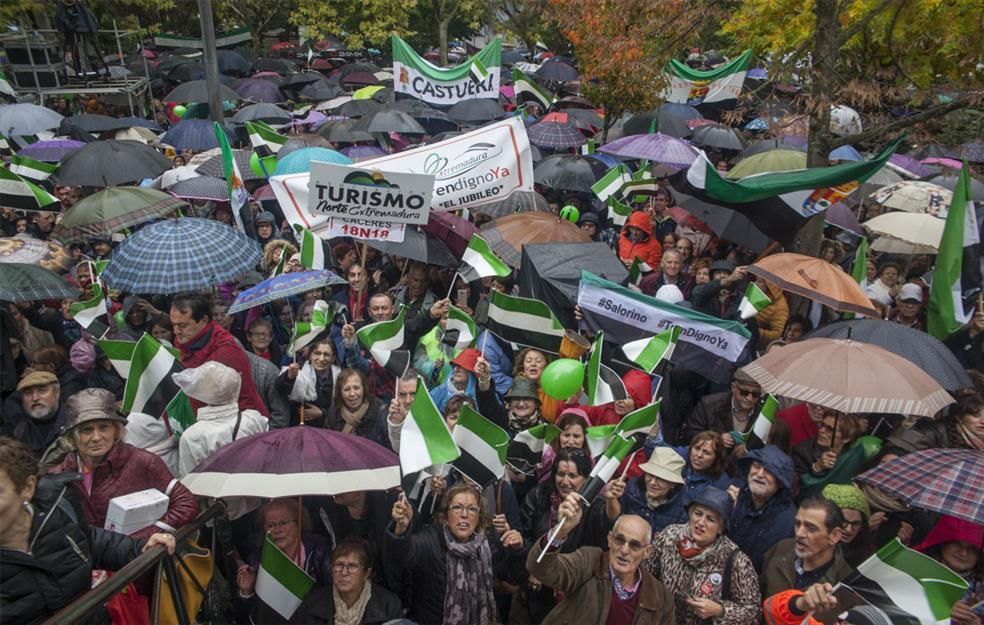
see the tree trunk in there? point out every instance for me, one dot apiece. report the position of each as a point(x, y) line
point(442, 40)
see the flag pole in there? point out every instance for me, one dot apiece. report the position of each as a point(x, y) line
point(454, 278)
point(552, 537)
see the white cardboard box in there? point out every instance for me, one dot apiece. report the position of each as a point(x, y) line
point(131, 513)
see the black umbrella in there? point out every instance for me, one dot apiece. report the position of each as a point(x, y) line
point(342, 132)
point(434, 121)
point(197, 91)
point(260, 90)
point(919, 348)
point(231, 62)
point(359, 108)
point(91, 123)
point(516, 55)
point(110, 163)
point(280, 66)
point(300, 79)
point(269, 113)
point(556, 70)
point(187, 72)
point(569, 172)
point(725, 223)
point(418, 246)
point(321, 90)
point(355, 68)
point(384, 95)
point(389, 121)
point(717, 136)
point(478, 111)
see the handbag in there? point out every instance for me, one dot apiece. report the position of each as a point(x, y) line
point(194, 567)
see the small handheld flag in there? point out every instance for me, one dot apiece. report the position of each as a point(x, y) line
point(649, 353)
point(603, 385)
point(479, 261)
point(754, 301)
point(306, 331)
point(280, 583)
point(425, 439)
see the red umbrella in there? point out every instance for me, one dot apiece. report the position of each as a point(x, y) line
point(685, 219)
point(453, 230)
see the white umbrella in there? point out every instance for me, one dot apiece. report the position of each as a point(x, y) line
point(906, 233)
point(913, 196)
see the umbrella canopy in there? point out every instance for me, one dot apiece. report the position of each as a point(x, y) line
point(948, 481)
point(418, 246)
point(454, 231)
point(192, 134)
point(434, 122)
point(342, 131)
point(299, 161)
point(281, 66)
point(201, 188)
point(517, 202)
point(88, 122)
point(211, 164)
point(655, 147)
point(21, 282)
point(972, 151)
point(27, 119)
point(943, 161)
point(389, 121)
point(109, 163)
point(269, 113)
point(197, 91)
point(848, 376)
point(113, 209)
point(359, 108)
point(843, 217)
point(718, 136)
point(366, 93)
point(906, 233)
point(908, 166)
point(921, 349)
point(726, 223)
point(556, 70)
point(180, 255)
point(284, 285)
point(507, 235)
point(794, 144)
point(30, 251)
point(232, 62)
point(913, 196)
point(555, 135)
point(815, 279)
point(569, 172)
point(845, 153)
point(362, 152)
point(259, 90)
point(764, 162)
point(359, 78)
point(947, 180)
point(293, 462)
point(51, 151)
point(476, 112)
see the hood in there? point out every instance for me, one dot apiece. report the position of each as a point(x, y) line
point(640, 220)
point(638, 386)
point(949, 529)
point(775, 462)
point(129, 303)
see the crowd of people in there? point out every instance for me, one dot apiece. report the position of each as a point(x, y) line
point(698, 527)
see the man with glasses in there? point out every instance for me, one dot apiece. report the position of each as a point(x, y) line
point(686, 248)
point(726, 412)
point(608, 585)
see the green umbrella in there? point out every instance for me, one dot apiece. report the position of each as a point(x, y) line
point(21, 283)
point(773, 160)
point(113, 209)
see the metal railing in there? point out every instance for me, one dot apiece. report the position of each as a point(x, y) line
point(80, 609)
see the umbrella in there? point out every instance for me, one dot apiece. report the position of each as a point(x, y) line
point(516, 202)
point(293, 462)
point(187, 72)
point(815, 279)
point(655, 147)
point(296, 81)
point(972, 151)
point(389, 121)
point(269, 113)
point(366, 93)
point(434, 121)
point(359, 108)
point(197, 91)
point(948, 481)
point(848, 376)
point(284, 285)
point(108, 163)
point(359, 78)
point(350, 68)
point(507, 235)
point(913, 196)
point(555, 135)
point(718, 136)
point(176, 175)
point(21, 120)
point(142, 135)
point(555, 70)
point(844, 121)
point(764, 162)
point(342, 131)
point(569, 172)
point(259, 90)
point(943, 162)
point(231, 62)
point(418, 246)
point(792, 144)
point(51, 151)
point(845, 153)
point(842, 217)
point(20, 282)
point(476, 112)
point(201, 188)
point(299, 161)
point(180, 255)
point(908, 166)
point(362, 152)
point(113, 209)
point(281, 66)
point(906, 233)
point(583, 119)
point(322, 90)
point(454, 231)
point(211, 164)
point(192, 134)
point(947, 180)
point(924, 351)
point(30, 251)
point(726, 223)
point(88, 122)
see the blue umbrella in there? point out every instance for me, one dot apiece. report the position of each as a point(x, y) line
point(284, 285)
point(192, 134)
point(299, 161)
point(845, 153)
point(181, 255)
point(51, 151)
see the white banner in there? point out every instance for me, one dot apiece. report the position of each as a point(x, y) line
point(364, 192)
point(409, 80)
point(365, 230)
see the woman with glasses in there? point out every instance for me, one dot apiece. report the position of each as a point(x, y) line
point(857, 543)
point(353, 598)
point(817, 456)
point(311, 384)
point(452, 563)
point(279, 518)
point(710, 578)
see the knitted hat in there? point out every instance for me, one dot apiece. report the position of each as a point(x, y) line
point(847, 496)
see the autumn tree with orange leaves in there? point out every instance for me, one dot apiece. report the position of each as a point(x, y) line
point(622, 46)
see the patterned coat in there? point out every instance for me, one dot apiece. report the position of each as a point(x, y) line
point(702, 576)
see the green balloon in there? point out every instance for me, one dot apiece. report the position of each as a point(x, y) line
point(570, 213)
point(180, 110)
point(256, 165)
point(562, 379)
point(119, 319)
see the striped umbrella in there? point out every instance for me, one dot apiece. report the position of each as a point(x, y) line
point(655, 147)
point(113, 209)
point(20, 194)
point(555, 135)
point(192, 134)
point(179, 255)
point(848, 376)
point(201, 188)
point(20, 282)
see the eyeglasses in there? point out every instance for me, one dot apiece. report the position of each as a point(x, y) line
point(852, 525)
point(620, 541)
point(747, 392)
point(347, 567)
point(274, 525)
point(462, 510)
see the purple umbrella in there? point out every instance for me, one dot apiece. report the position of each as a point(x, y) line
point(555, 135)
point(51, 151)
point(356, 152)
point(455, 231)
point(654, 147)
point(312, 117)
point(908, 166)
point(259, 90)
point(840, 215)
point(293, 462)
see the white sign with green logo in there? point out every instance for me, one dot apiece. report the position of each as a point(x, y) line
point(477, 77)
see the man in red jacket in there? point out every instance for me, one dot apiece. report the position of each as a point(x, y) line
point(200, 339)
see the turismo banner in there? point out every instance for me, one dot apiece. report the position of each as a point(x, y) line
point(477, 77)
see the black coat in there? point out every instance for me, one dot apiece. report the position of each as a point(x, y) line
point(713, 412)
point(58, 569)
point(38, 435)
point(319, 608)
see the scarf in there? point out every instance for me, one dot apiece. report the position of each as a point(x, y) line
point(468, 598)
point(687, 548)
point(880, 501)
point(969, 438)
point(516, 424)
point(353, 418)
point(555, 500)
point(345, 615)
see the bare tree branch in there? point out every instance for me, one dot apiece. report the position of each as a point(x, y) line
point(964, 101)
point(863, 23)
